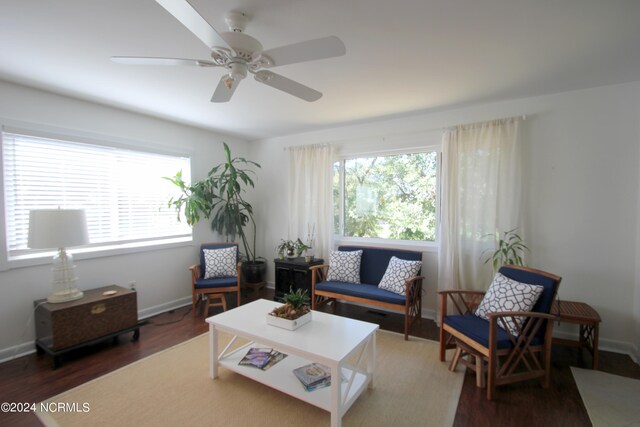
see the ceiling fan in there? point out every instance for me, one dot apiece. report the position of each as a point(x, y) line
point(240, 53)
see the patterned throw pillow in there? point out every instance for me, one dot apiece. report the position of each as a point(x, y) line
point(399, 271)
point(344, 266)
point(506, 294)
point(220, 262)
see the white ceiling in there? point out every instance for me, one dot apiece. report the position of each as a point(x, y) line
point(403, 56)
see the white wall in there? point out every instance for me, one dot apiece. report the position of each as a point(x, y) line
point(581, 191)
point(162, 278)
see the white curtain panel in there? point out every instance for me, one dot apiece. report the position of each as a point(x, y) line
point(481, 195)
point(311, 196)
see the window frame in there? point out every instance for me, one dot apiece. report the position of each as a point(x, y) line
point(41, 257)
point(424, 245)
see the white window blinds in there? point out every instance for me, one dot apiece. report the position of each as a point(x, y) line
point(122, 191)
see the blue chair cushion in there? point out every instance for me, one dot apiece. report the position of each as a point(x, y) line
point(221, 282)
point(374, 261)
point(361, 290)
point(477, 329)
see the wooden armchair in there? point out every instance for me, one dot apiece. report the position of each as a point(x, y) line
point(509, 355)
point(215, 287)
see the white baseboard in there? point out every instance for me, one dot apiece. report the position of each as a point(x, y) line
point(19, 350)
point(604, 344)
point(163, 308)
point(24, 349)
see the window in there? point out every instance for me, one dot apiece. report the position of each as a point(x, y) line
point(388, 197)
point(121, 190)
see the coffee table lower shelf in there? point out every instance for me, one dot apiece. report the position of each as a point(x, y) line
point(281, 377)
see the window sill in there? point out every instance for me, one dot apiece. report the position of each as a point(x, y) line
point(413, 245)
point(42, 258)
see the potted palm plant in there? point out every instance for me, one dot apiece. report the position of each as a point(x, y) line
point(510, 249)
point(219, 197)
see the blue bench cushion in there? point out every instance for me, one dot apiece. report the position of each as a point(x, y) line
point(477, 329)
point(221, 282)
point(375, 261)
point(361, 290)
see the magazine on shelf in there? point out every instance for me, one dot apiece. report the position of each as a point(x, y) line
point(261, 358)
point(276, 356)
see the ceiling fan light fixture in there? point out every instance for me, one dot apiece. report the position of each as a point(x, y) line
point(237, 71)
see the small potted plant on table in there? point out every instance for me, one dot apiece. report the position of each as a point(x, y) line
point(295, 311)
point(291, 249)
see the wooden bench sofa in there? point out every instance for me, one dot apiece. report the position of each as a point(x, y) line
point(373, 266)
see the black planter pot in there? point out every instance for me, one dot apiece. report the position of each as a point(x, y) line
point(254, 272)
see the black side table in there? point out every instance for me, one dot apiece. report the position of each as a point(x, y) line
point(293, 273)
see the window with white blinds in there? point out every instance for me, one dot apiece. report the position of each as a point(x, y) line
point(122, 191)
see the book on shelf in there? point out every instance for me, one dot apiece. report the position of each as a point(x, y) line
point(261, 358)
point(313, 376)
point(321, 384)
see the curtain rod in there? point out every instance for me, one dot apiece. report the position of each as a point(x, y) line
point(293, 147)
point(523, 117)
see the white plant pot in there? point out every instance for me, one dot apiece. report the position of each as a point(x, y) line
point(289, 324)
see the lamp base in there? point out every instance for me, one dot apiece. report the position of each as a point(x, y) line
point(64, 279)
point(65, 296)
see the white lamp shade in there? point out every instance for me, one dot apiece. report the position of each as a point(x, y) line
point(57, 228)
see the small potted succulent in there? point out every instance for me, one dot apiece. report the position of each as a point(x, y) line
point(295, 311)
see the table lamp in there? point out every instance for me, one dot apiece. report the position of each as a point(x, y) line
point(59, 228)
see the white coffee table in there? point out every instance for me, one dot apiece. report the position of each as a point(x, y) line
point(327, 339)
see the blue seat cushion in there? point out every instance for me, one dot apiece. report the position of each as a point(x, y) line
point(219, 282)
point(361, 290)
point(477, 329)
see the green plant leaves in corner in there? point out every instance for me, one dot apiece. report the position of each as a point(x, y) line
point(510, 249)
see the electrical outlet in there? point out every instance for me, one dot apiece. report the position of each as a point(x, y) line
point(132, 285)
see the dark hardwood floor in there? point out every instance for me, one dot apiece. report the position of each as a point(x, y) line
point(31, 379)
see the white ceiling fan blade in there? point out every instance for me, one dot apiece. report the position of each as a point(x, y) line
point(225, 89)
point(287, 85)
point(310, 50)
point(190, 18)
point(134, 60)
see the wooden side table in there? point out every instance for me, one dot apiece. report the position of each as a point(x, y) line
point(589, 320)
point(101, 314)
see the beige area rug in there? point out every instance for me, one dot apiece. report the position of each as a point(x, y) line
point(412, 387)
point(611, 400)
